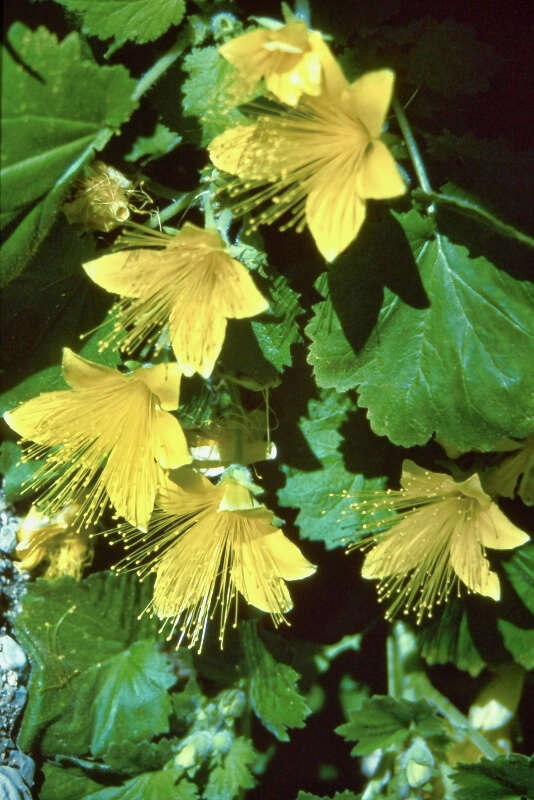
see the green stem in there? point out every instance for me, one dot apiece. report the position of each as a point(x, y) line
point(422, 685)
point(465, 206)
point(155, 72)
point(413, 150)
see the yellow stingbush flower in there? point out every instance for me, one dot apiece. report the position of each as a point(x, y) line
point(515, 473)
point(52, 540)
point(206, 544)
point(190, 284)
point(287, 57)
point(435, 541)
point(103, 199)
point(318, 162)
point(107, 439)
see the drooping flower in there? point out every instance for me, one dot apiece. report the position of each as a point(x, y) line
point(107, 439)
point(429, 537)
point(53, 542)
point(515, 473)
point(318, 163)
point(103, 198)
point(240, 438)
point(189, 283)
point(207, 544)
point(285, 55)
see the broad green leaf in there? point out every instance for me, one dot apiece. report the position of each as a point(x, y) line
point(519, 569)
point(232, 773)
point(457, 367)
point(383, 721)
point(273, 686)
point(129, 757)
point(505, 778)
point(346, 795)
point(519, 642)
point(97, 675)
point(162, 785)
point(50, 129)
point(137, 20)
point(161, 142)
point(278, 329)
point(324, 494)
point(448, 639)
point(16, 473)
point(66, 783)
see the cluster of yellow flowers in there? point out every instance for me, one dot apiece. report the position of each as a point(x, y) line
point(111, 439)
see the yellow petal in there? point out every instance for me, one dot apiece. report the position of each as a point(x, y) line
point(334, 212)
point(131, 478)
point(304, 78)
point(247, 51)
point(238, 297)
point(80, 373)
point(334, 81)
point(170, 443)
point(370, 99)
point(197, 336)
point(27, 419)
point(470, 564)
point(379, 177)
point(418, 481)
point(498, 532)
point(259, 585)
point(226, 150)
point(163, 380)
point(192, 236)
point(122, 273)
point(236, 497)
point(287, 559)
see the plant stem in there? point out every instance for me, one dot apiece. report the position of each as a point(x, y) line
point(155, 72)
point(471, 209)
point(413, 150)
point(426, 690)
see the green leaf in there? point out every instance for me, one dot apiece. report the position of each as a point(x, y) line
point(97, 675)
point(448, 639)
point(161, 142)
point(61, 303)
point(154, 785)
point(519, 642)
point(383, 721)
point(519, 569)
point(346, 795)
point(16, 473)
point(505, 778)
point(137, 20)
point(51, 129)
point(207, 92)
point(324, 495)
point(132, 757)
point(457, 365)
point(232, 773)
point(273, 686)
point(65, 784)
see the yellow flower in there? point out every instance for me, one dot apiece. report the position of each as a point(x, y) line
point(317, 163)
point(514, 473)
point(54, 542)
point(435, 542)
point(190, 284)
point(103, 199)
point(288, 59)
point(107, 439)
point(206, 544)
